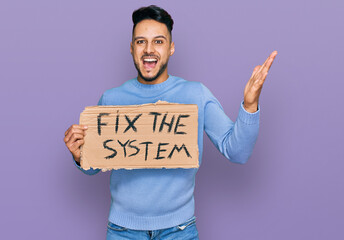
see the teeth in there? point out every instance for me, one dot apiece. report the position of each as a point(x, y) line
point(149, 60)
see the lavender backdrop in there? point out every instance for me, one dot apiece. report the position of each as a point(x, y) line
point(56, 57)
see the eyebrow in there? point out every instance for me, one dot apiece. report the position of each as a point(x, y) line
point(159, 36)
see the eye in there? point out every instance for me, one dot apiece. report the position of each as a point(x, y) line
point(140, 41)
point(158, 41)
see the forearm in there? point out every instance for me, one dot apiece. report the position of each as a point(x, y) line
point(235, 140)
point(238, 144)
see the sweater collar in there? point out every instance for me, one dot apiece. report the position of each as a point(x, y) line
point(164, 84)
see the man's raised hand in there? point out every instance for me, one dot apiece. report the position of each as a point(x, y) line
point(255, 84)
point(74, 138)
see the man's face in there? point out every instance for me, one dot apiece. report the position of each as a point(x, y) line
point(151, 48)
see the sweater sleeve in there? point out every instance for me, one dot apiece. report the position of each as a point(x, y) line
point(91, 171)
point(235, 140)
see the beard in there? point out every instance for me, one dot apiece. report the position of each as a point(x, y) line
point(151, 79)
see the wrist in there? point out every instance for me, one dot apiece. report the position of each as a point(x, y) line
point(77, 160)
point(251, 108)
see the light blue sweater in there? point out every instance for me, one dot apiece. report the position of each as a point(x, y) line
point(151, 199)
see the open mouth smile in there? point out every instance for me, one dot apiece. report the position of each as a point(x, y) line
point(149, 62)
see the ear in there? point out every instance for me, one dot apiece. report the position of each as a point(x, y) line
point(131, 48)
point(172, 48)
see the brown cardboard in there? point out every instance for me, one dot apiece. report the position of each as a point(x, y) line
point(137, 136)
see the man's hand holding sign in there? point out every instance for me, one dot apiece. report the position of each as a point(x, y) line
point(74, 139)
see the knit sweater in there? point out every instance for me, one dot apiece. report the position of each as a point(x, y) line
point(151, 199)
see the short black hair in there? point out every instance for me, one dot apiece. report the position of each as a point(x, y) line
point(155, 13)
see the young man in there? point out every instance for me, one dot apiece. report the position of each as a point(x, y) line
point(159, 203)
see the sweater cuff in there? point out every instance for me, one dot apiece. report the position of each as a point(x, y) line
point(247, 117)
point(90, 171)
point(76, 164)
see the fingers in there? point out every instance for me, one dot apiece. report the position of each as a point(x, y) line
point(75, 146)
point(74, 138)
point(73, 133)
point(260, 81)
point(254, 85)
point(260, 74)
point(255, 70)
point(74, 129)
point(75, 126)
point(268, 62)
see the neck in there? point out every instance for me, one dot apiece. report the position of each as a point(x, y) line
point(162, 78)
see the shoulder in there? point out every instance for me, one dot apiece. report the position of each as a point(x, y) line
point(111, 95)
point(188, 85)
point(120, 88)
point(191, 92)
point(196, 88)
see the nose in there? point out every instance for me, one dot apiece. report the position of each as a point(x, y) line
point(149, 48)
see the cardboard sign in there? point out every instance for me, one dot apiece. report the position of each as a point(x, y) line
point(159, 135)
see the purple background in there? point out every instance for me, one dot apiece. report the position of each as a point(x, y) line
point(56, 57)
